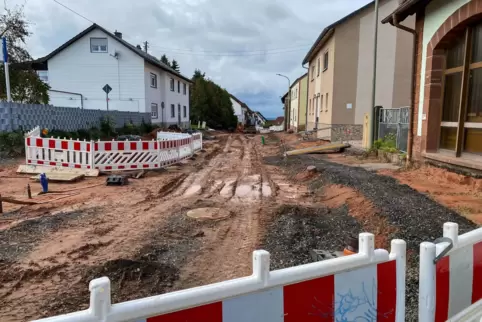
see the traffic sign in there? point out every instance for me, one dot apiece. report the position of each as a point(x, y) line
point(107, 88)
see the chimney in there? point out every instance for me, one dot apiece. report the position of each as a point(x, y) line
point(118, 34)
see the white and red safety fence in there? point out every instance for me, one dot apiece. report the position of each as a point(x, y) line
point(450, 275)
point(58, 153)
point(110, 155)
point(367, 286)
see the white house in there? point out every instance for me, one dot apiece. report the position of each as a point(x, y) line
point(239, 112)
point(78, 70)
point(260, 119)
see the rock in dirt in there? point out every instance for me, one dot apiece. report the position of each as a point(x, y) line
point(311, 169)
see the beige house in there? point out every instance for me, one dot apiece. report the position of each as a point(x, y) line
point(298, 104)
point(341, 71)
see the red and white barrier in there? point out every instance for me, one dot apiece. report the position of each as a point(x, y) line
point(368, 286)
point(452, 283)
point(111, 155)
point(126, 155)
point(58, 153)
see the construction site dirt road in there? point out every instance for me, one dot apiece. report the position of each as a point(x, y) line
point(193, 224)
point(199, 222)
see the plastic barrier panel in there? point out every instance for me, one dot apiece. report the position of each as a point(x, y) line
point(126, 155)
point(58, 153)
point(111, 155)
point(368, 286)
point(197, 141)
point(450, 282)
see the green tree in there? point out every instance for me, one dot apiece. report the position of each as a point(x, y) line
point(211, 103)
point(25, 85)
point(175, 65)
point(165, 60)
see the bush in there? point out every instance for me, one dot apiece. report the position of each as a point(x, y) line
point(12, 143)
point(387, 144)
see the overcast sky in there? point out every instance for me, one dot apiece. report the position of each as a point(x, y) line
point(240, 44)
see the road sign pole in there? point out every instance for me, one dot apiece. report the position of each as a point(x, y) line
point(107, 90)
point(7, 72)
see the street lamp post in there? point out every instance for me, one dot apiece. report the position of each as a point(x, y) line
point(289, 102)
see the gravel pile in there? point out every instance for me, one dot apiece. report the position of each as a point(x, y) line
point(415, 216)
point(297, 230)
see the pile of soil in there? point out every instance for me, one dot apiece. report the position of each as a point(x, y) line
point(135, 277)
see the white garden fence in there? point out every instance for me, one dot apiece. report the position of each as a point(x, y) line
point(111, 155)
point(368, 286)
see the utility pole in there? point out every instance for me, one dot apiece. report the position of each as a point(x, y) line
point(374, 81)
point(146, 46)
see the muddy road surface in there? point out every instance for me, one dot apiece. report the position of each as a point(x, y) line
point(159, 234)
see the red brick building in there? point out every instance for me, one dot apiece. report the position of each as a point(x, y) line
point(446, 114)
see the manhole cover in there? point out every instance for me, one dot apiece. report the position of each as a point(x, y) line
point(208, 213)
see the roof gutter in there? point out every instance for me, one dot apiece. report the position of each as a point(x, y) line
point(412, 92)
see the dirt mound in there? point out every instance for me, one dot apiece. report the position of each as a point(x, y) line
point(144, 274)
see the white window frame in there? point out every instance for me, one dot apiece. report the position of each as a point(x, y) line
point(179, 86)
point(154, 111)
point(172, 84)
point(184, 111)
point(98, 47)
point(173, 110)
point(153, 80)
point(184, 88)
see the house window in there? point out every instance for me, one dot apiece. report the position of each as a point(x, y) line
point(185, 111)
point(318, 64)
point(172, 84)
point(154, 111)
point(326, 105)
point(313, 72)
point(98, 45)
point(184, 88)
point(325, 61)
point(178, 86)
point(321, 103)
point(463, 133)
point(153, 80)
point(173, 111)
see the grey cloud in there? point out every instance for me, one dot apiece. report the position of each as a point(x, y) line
point(202, 28)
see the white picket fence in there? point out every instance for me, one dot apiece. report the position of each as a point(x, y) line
point(359, 287)
point(113, 155)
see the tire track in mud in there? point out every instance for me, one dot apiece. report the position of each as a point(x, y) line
point(242, 185)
